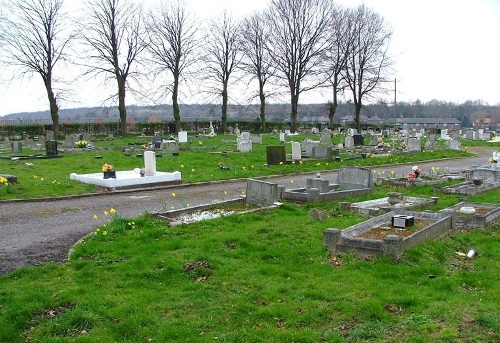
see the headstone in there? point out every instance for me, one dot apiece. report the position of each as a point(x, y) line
point(307, 146)
point(350, 177)
point(358, 140)
point(322, 185)
point(287, 132)
point(86, 137)
point(6, 142)
point(243, 145)
point(211, 129)
point(69, 141)
point(455, 145)
point(275, 154)
point(413, 144)
point(349, 142)
point(150, 163)
point(77, 137)
point(351, 132)
point(326, 137)
point(322, 152)
point(236, 130)
point(261, 193)
point(296, 151)
point(17, 146)
point(469, 135)
point(245, 135)
point(49, 135)
point(51, 148)
point(110, 137)
point(282, 137)
point(171, 146)
point(183, 136)
point(256, 139)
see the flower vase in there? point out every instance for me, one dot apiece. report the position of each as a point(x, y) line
point(394, 198)
point(110, 174)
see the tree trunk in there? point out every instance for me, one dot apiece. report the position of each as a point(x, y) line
point(175, 105)
point(54, 109)
point(357, 106)
point(121, 105)
point(224, 108)
point(293, 114)
point(262, 97)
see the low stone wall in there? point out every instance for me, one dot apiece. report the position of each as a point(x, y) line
point(347, 240)
point(468, 188)
point(313, 194)
point(476, 221)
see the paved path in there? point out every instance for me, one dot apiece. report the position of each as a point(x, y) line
point(34, 232)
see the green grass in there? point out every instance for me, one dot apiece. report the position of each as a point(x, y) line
point(268, 277)
point(198, 161)
point(268, 280)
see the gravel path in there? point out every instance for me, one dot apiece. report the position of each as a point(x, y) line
point(36, 232)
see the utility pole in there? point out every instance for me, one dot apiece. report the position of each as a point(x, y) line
point(394, 105)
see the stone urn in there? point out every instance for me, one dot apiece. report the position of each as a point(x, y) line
point(394, 198)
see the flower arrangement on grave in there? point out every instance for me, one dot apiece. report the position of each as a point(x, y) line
point(493, 159)
point(3, 181)
point(81, 144)
point(107, 167)
point(145, 146)
point(415, 172)
point(403, 145)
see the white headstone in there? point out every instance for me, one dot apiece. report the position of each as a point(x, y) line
point(183, 136)
point(296, 151)
point(282, 137)
point(150, 163)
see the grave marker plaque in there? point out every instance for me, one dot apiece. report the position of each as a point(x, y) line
point(275, 154)
point(51, 148)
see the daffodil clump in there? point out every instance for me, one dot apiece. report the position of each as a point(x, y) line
point(81, 144)
point(113, 225)
point(3, 181)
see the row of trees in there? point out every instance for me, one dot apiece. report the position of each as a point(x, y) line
point(293, 45)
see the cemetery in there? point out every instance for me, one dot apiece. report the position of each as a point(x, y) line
point(274, 254)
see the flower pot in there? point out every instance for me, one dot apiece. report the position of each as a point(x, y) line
point(394, 198)
point(110, 174)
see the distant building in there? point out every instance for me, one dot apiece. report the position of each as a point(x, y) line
point(429, 123)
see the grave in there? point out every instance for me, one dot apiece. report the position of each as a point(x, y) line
point(256, 139)
point(182, 137)
point(322, 152)
point(16, 146)
point(326, 137)
point(296, 151)
point(307, 147)
point(358, 140)
point(352, 239)
point(132, 178)
point(413, 144)
point(380, 206)
point(51, 148)
point(275, 155)
point(244, 143)
point(349, 142)
point(454, 145)
point(261, 193)
point(351, 181)
point(484, 215)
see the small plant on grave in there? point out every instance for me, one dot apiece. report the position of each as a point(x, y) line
point(106, 167)
point(81, 144)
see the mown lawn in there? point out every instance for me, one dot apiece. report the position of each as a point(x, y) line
point(261, 277)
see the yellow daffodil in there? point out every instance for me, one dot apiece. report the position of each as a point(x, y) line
point(95, 216)
point(112, 211)
point(106, 213)
point(173, 195)
point(225, 192)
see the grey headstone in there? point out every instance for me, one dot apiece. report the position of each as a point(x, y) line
point(350, 177)
point(244, 145)
point(349, 142)
point(261, 193)
point(413, 144)
point(16, 146)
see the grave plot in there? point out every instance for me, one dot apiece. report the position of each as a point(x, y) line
point(383, 205)
point(479, 180)
point(351, 181)
point(260, 195)
point(409, 229)
point(475, 215)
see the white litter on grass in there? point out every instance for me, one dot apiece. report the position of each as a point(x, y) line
point(194, 217)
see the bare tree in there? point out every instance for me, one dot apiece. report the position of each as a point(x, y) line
point(339, 44)
point(173, 42)
point(257, 61)
point(222, 58)
point(368, 60)
point(297, 45)
point(112, 34)
point(36, 42)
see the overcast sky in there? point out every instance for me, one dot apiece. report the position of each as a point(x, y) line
point(445, 50)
